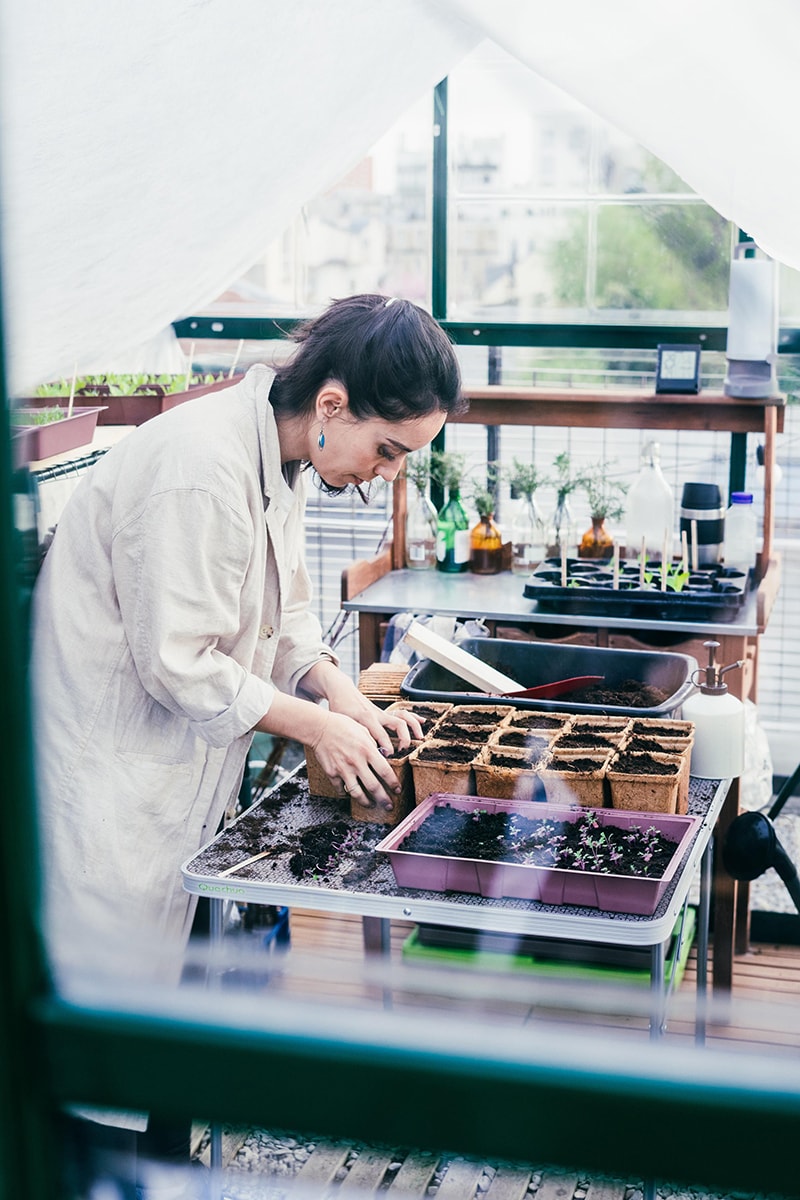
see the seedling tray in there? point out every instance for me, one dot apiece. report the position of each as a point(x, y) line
point(711, 592)
point(532, 663)
point(548, 885)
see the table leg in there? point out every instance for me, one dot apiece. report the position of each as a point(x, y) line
point(701, 1005)
point(657, 989)
point(724, 897)
point(216, 926)
point(369, 639)
point(377, 935)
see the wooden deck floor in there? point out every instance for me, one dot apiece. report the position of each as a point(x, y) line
point(766, 973)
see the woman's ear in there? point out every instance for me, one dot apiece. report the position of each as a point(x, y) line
point(331, 400)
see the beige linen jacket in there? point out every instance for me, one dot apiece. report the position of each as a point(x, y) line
point(172, 601)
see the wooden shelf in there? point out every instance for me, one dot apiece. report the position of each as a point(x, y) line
point(619, 409)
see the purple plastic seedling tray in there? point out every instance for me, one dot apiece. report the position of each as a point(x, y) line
point(548, 885)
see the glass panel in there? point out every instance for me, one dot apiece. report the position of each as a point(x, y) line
point(556, 215)
point(534, 261)
point(661, 257)
point(513, 132)
point(370, 232)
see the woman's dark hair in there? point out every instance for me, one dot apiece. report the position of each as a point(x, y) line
point(392, 357)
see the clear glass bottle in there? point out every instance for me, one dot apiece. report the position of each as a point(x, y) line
point(562, 532)
point(485, 547)
point(528, 537)
point(452, 535)
point(422, 521)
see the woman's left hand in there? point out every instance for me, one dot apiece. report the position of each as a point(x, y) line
point(326, 681)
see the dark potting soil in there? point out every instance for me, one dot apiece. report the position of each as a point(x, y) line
point(580, 844)
point(536, 721)
point(471, 716)
point(639, 745)
point(424, 712)
point(631, 693)
point(579, 766)
point(652, 730)
point(643, 764)
point(521, 737)
point(466, 733)
point(524, 761)
point(584, 737)
point(321, 846)
point(449, 752)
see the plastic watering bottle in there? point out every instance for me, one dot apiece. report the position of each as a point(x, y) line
point(650, 511)
point(740, 532)
point(718, 750)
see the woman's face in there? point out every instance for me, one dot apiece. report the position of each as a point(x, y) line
point(356, 451)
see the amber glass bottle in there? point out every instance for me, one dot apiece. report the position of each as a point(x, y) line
point(485, 547)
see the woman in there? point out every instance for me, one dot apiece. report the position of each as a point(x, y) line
point(171, 620)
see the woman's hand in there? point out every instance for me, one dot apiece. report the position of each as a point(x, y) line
point(360, 760)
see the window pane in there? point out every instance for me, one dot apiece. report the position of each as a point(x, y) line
point(556, 215)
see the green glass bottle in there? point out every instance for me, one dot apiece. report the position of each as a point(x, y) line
point(452, 535)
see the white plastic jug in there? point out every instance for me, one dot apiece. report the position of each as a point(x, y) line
point(650, 511)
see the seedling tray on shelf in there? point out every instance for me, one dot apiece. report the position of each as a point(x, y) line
point(711, 592)
point(548, 885)
point(532, 663)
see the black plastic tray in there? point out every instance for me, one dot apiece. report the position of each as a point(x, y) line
point(711, 593)
point(532, 663)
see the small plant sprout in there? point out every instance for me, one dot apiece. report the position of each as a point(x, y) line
point(418, 470)
point(524, 479)
point(606, 496)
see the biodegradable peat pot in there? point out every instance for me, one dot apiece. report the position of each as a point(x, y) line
point(646, 782)
point(539, 722)
point(466, 856)
point(472, 722)
point(440, 766)
point(319, 782)
point(509, 773)
point(675, 736)
point(427, 712)
point(576, 776)
point(33, 442)
point(376, 814)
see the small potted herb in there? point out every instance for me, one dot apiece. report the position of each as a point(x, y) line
point(606, 498)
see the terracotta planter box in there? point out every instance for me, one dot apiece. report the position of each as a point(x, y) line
point(34, 442)
point(139, 406)
point(645, 791)
point(576, 777)
point(549, 885)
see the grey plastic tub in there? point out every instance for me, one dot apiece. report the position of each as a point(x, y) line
point(533, 663)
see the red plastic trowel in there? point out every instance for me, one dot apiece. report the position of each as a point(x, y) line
point(480, 674)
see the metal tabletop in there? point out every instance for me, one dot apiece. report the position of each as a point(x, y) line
point(500, 598)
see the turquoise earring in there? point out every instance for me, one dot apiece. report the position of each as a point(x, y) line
point(321, 438)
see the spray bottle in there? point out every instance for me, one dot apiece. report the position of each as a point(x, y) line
point(718, 750)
